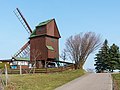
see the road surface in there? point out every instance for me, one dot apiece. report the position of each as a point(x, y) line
point(93, 81)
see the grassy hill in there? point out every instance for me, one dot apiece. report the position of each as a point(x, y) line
point(116, 78)
point(42, 81)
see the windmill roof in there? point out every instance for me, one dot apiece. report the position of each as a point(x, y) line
point(44, 23)
point(56, 32)
point(22, 59)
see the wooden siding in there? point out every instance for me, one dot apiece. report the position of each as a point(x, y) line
point(54, 43)
point(38, 45)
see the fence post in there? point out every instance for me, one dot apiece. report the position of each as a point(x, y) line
point(6, 75)
point(20, 69)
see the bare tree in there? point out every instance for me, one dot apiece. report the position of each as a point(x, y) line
point(63, 55)
point(35, 54)
point(80, 46)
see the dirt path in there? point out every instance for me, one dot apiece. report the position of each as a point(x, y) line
point(101, 81)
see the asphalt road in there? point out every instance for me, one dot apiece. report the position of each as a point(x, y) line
point(93, 81)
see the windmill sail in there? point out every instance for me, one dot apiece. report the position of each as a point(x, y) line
point(22, 20)
point(24, 52)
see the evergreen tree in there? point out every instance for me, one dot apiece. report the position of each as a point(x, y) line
point(114, 58)
point(101, 59)
point(118, 64)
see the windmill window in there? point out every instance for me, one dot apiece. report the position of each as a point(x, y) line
point(53, 40)
point(40, 29)
point(50, 48)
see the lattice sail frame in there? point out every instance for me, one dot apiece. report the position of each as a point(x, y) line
point(24, 52)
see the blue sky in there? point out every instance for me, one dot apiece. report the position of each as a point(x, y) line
point(72, 17)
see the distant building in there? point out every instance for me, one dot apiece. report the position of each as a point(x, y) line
point(16, 62)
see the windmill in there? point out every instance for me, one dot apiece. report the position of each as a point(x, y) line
point(44, 40)
point(24, 52)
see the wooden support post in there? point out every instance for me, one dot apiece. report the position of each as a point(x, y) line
point(46, 66)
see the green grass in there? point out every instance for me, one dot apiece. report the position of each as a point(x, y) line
point(116, 78)
point(42, 81)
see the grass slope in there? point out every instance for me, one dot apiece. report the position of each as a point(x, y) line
point(116, 78)
point(42, 81)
